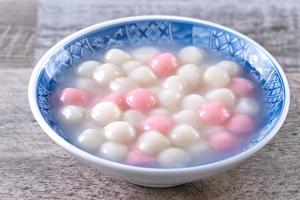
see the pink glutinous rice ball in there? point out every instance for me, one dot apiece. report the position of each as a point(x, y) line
point(117, 98)
point(73, 96)
point(215, 113)
point(142, 99)
point(138, 158)
point(241, 87)
point(241, 124)
point(223, 141)
point(164, 64)
point(160, 123)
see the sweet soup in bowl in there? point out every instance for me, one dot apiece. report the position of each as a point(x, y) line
point(159, 100)
point(159, 108)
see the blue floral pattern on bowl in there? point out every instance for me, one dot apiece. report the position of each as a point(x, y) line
point(166, 33)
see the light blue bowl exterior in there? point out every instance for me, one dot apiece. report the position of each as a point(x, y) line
point(166, 32)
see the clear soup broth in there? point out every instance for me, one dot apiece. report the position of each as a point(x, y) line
point(159, 108)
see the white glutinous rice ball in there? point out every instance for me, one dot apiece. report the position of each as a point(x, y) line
point(173, 157)
point(85, 84)
point(116, 56)
point(91, 139)
point(248, 106)
point(123, 85)
point(223, 95)
point(175, 83)
point(105, 113)
point(191, 55)
point(144, 76)
point(87, 68)
point(193, 102)
point(133, 117)
point(106, 73)
point(192, 75)
point(169, 99)
point(73, 114)
point(184, 136)
point(145, 54)
point(199, 150)
point(113, 151)
point(152, 142)
point(120, 132)
point(130, 65)
point(189, 117)
point(216, 77)
point(156, 89)
point(232, 68)
point(160, 111)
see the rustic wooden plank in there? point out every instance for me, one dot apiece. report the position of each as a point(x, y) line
point(17, 33)
point(33, 167)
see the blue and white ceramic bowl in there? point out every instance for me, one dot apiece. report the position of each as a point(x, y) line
point(127, 33)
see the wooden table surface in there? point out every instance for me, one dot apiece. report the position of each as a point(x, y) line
point(33, 167)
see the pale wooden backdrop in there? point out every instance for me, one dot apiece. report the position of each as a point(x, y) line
point(33, 167)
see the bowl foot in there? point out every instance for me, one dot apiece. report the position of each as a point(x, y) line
point(153, 185)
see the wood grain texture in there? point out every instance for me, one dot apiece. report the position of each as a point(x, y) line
point(17, 32)
point(33, 167)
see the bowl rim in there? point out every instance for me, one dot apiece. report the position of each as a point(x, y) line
point(83, 155)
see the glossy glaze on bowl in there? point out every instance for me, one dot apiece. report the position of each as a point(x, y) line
point(129, 33)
